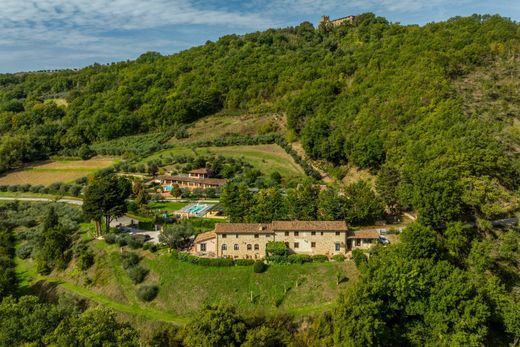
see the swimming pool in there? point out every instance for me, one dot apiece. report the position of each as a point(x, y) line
point(198, 210)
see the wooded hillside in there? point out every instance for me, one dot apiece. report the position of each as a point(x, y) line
point(430, 109)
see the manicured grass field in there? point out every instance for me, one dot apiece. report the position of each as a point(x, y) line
point(55, 171)
point(169, 206)
point(266, 158)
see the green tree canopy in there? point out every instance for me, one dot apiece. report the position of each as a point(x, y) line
point(105, 197)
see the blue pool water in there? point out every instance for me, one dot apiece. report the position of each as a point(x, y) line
point(197, 209)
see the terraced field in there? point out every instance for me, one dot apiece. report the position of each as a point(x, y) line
point(55, 171)
point(266, 158)
point(222, 125)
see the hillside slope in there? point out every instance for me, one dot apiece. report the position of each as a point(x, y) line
point(373, 94)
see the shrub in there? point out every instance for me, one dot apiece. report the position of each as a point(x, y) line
point(111, 238)
point(219, 262)
point(3, 188)
point(152, 247)
point(24, 251)
point(122, 241)
point(129, 259)
point(244, 262)
point(134, 242)
point(276, 248)
point(12, 188)
point(277, 259)
point(85, 260)
point(359, 257)
point(35, 189)
point(320, 258)
point(259, 267)
point(338, 257)
point(75, 190)
point(55, 187)
point(24, 187)
point(299, 258)
point(137, 274)
point(147, 292)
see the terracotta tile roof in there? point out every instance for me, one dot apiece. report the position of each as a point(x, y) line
point(205, 236)
point(210, 181)
point(238, 228)
point(310, 225)
point(200, 171)
point(365, 234)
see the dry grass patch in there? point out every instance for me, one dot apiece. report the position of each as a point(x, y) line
point(221, 125)
point(55, 171)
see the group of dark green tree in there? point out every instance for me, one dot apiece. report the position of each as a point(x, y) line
point(356, 203)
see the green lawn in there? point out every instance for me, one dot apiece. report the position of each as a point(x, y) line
point(186, 288)
point(169, 206)
point(293, 289)
point(266, 158)
point(27, 276)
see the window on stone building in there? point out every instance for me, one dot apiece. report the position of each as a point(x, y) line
point(337, 232)
point(321, 233)
point(313, 244)
point(236, 236)
point(313, 233)
point(296, 245)
point(203, 247)
point(235, 247)
point(224, 247)
point(286, 233)
point(256, 236)
point(257, 247)
point(338, 247)
point(224, 236)
point(249, 247)
point(296, 233)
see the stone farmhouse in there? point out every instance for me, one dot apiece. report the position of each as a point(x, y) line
point(336, 22)
point(198, 178)
point(249, 240)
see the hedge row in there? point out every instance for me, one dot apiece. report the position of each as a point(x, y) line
point(297, 259)
point(55, 188)
point(307, 168)
point(218, 262)
point(235, 140)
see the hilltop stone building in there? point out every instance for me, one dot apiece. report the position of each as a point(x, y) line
point(325, 20)
point(249, 240)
